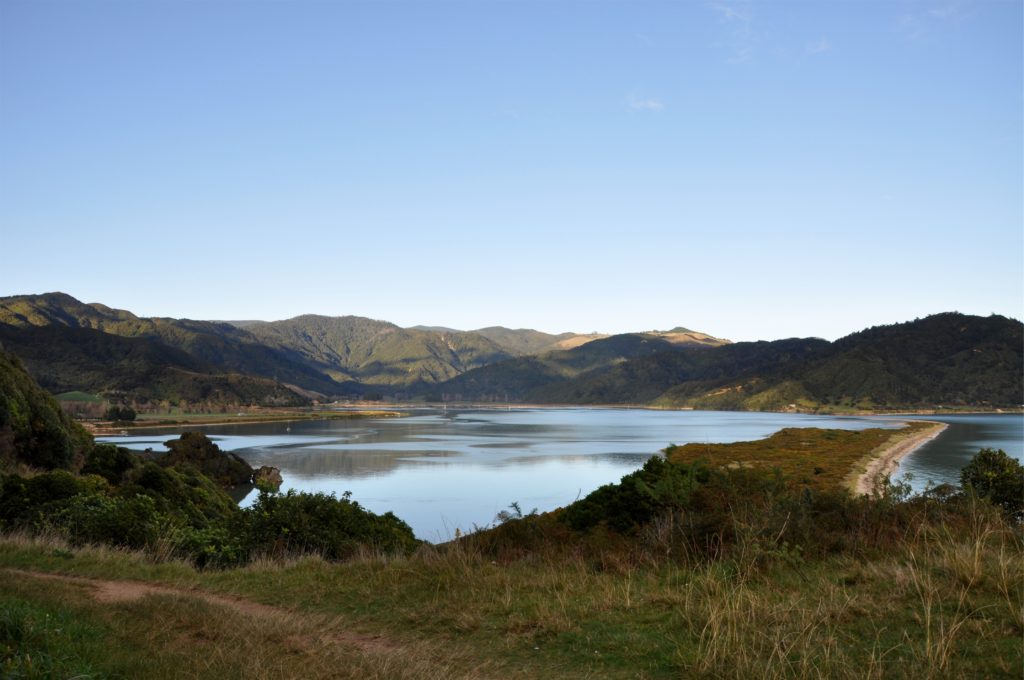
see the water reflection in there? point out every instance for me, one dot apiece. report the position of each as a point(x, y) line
point(940, 460)
point(442, 471)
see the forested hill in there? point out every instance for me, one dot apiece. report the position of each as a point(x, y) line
point(33, 429)
point(170, 356)
point(946, 359)
point(70, 345)
point(377, 352)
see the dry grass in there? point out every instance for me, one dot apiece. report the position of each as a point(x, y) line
point(812, 457)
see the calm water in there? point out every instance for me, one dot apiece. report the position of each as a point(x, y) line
point(439, 471)
point(442, 471)
point(940, 460)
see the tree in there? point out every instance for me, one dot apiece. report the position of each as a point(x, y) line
point(994, 475)
point(120, 413)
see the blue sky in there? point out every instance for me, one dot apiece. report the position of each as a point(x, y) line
point(753, 170)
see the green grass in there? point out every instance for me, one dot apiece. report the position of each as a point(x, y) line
point(80, 396)
point(940, 604)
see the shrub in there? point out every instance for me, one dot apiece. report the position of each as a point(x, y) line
point(994, 475)
point(184, 493)
point(335, 528)
point(196, 449)
point(657, 487)
point(23, 501)
point(110, 462)
point(96, 518)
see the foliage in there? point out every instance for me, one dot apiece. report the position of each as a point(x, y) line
point(33, 429)
point(656, 488)
point(120, 413)
point(994, 475)
point(196, 449)
point(131, 522)
point(334, 528)
point(169, 507)
point(110, 462)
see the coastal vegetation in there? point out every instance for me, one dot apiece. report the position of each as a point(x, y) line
point(750, 559)
point(727, 572)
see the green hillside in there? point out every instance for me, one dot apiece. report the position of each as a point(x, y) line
point(64, 359)
point(377, 352)
point(230, 349)
point(33, 429)
point(525, 341)
point(946, 359)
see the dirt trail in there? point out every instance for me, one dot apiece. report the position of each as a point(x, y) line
point(129, 591)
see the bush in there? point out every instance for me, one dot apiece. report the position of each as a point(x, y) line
point(657, 487)
point(994, 475)
point(184, 493)
point(196, 449)
point(110, 462)
point(96, 518)
point(25, 501)
point(335, 528)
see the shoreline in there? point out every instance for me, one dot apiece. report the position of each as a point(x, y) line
point(110, 430)
point(512, 406)
point(886, 459)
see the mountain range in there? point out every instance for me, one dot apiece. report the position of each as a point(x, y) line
point(67, 345)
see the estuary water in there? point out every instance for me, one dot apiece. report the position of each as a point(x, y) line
point(940, 460)
point(442, 471)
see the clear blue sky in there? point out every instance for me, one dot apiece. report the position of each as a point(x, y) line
point(753, 170)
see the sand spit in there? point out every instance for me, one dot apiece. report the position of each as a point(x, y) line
point(886, 458)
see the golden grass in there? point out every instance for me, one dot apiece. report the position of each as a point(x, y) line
point(813, 457)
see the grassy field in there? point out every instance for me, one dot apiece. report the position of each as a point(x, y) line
point(940, 606)
point(81, 397)
point(813, 457)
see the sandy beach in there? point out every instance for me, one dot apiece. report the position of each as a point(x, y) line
point(886, 458)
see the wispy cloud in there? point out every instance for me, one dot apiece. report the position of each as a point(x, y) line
point(944, 12)
point(731, 12)
point(819, 46)
point(651, 104)
point(740, 38)
point(919, 24)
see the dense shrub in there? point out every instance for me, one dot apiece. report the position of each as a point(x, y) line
point(335, 528)
point(655, 488)
point(196, 449)
point(26, 501)
point(110, 462)
point(184, 493)
point(994, 475)
point(112, 520)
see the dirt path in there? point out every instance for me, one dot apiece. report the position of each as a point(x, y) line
point(887, 458)
point(130, 591)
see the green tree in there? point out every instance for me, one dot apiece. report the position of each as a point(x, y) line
point(994, 475)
